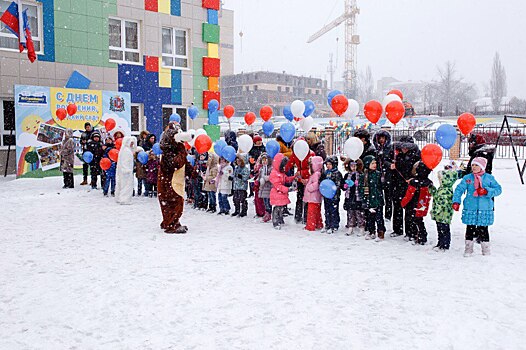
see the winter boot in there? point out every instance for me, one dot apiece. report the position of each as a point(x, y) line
point(468, 251)
point(381, 235)
point(485, 248)
point(267, 217)
point(84, 182)
point(350, 231)
point(235, 213)
point(370, 235)
point(396, 234)
point(361, 232)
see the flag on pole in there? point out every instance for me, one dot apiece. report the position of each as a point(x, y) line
point(18, 23)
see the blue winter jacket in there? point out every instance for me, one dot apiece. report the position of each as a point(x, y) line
point(477, 211)
point(241, 184)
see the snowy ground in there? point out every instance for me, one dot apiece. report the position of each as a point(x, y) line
point(81, 272)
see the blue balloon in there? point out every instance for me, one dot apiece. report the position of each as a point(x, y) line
point(268, 128)
point(156, 149)
point(142, 157)
point(309, 108)
point(328, 189)
point(175, 118)
point(288, 113)
point(229, 153)
point(219, 146)
point(272, 148)
point(193, 112)
point(87, 156)
point(213, 105)
point(331, 96)
point(446, 135)
point(190, 159)
point(287, 132)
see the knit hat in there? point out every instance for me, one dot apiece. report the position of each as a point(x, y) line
point(368, 160)
point(480, 161)
point(257, 138)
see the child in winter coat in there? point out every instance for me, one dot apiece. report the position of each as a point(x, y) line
point(210, 186)
point(480, 188)
point(262, 170)
point(279, 194)
point(241, 176)
point(152, 170)
point(95, 147)
point(67, 159)
point(373, 199)
point(312, 195)
point(332, 205)
point(140, 174)
point(111, 172)
point(200, 199)
point(416, 202)
point(353, 181)
point(442, 209)
point(224, 185)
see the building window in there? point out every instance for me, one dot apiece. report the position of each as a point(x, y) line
point(124, 41)
point(138, 122)
point(309, 91)
point(169, 110)
point(255, 88)
point(9, 41)
point(279, 88)
point(247, 88)
point(287, 89)
point(175, 48)
point(317, 92)
point(7, 123)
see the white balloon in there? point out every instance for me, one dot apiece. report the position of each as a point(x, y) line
point(200, 132)
point(184, 136)
point(390, 98)
point(297, 108)
point(306, 124)
point(301, 149)
point(353, 148)
point(353, 109)
point(245, 143)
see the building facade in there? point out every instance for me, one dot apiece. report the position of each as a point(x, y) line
point(166, 53)
point(251, 91)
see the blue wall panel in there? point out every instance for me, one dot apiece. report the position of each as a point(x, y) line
point(48, 14)
point(177, 91)
point(175, 7)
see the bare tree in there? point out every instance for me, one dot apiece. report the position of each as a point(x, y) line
point(365, 89)
point(498, 86)
point(453, 94)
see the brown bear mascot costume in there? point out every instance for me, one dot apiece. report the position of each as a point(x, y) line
point(171, 179)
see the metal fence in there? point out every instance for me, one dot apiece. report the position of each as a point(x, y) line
point(423, 137)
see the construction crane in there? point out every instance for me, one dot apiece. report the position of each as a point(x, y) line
point(352, 40)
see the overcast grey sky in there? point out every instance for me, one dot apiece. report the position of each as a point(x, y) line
point(405, 39)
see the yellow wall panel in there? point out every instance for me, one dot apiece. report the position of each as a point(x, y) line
point(164, 6)
point(165, 75)
point(213, 84)
point(213, 50)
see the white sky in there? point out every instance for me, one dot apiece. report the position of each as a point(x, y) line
point(405, 39)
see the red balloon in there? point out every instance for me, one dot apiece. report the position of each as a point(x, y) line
point(203, 143)
point(105, 163)
point(266, 113)
point(187, 146)
point(373, 111)
point(110, 124)
point(114, 154)
point(431, 155)
point(339, 104)
point(397, 92)
point(72, 109)
point(118, 143)
point(395, 111)
point(250, 118)
point(61, 113)
point(466, 123)
point(229, 111)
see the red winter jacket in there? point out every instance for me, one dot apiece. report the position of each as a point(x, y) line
point(424, 198)
point(303, 166)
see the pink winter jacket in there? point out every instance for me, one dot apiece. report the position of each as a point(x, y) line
point(279, 195)
point(312, 189)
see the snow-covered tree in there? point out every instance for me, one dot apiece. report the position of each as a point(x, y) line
point(453, 94)
point(498, 86)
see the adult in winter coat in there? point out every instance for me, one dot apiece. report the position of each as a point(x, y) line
point(416, 203)
point(302, 168)
point(143, 137)
point(84, 138)
point(94, 146)
point(284, 147)
point(442, 210)
point(312, 196)
point(67, 159)
point(279, 195)
point(477, 213)
point(368, 148)
point(209, 185)
point(170, 181)
point(382, 143)
point(316, 145)
point(332, 205)
point(231, 139)
point(264, 186)
point(124, 175)
point(147, 145)
point(401, 159)
point(479, 148)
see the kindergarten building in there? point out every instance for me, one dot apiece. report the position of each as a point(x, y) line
point(167, 54)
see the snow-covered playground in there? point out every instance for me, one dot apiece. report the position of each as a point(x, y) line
point(82, 272)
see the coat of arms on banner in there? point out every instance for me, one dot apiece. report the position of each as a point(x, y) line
point(117, 104)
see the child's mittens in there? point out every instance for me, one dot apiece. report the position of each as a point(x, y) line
point(349, 183)
point(456, 206)
point(239, 176)
point(346, 187)
point(230, 178)
point(482, 191)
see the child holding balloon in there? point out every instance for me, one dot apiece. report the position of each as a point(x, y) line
point(151, 173)
point(111, 171)
point(279, 194)
point(312, 195)
point(353, 199)
point(224, 185)
point(372, 195)
point(332, 204)
point(95, 147)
